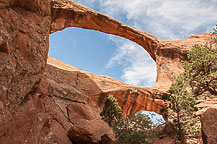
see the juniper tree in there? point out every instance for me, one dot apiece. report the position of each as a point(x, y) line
point(181, 108)
point(134, 129)
point(111, 112)
point(201, 70)
point(201, 67)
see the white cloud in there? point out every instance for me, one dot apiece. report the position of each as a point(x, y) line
point(139, 68)
point(166, 19)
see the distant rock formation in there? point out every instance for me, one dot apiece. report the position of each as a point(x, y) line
point(43, 100)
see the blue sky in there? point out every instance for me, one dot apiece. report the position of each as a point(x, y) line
point(122, 59)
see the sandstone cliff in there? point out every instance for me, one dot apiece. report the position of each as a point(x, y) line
point(46, 101)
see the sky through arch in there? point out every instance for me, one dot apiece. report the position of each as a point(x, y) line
point(104, 54)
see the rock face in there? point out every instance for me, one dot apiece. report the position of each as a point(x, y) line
point(46, 101)
point(87, 127)
point(24, 39)
point(91, 132)
point(209, 126)
point(85, 87)
point(169, 56)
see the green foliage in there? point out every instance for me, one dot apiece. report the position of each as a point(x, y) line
point(201, 70)
point(215, 29)
point(111, 111)
point(214, 33)
point(134, 129)
point(181, 109)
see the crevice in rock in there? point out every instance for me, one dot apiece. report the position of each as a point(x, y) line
point(135, 101)
point(31, 92)
point(126, 98)
point(67, 99)
point(102, 97)
point(4, 48)
point(65, 115)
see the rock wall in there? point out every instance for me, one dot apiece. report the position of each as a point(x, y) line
point(209, 126)
point(24, 35)
point(46, 101)
point(65, 81)
point(169, 56)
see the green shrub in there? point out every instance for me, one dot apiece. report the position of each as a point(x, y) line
point(134, 129)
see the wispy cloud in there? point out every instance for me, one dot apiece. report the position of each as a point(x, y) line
point(166, 19)
point(138, 67)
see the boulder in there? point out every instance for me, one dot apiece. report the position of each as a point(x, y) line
point(209, 126)
point(91, 132)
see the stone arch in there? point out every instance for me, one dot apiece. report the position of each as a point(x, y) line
point(67, 13)
point(72, 14)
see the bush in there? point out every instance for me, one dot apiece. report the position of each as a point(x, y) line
point(134, 129)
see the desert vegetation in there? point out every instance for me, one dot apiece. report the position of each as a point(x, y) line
point(137, 128)
point(198, 81)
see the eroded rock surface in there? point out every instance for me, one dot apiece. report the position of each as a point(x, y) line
point(49, 102)
point(72, 83)
point(91, 132)
point(169, 56)
point(24, 39)
point(209, 126)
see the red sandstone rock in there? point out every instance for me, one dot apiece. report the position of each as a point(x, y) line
point(209, 126)
point(94, 89)
point(39, 105)
point(169, 56)
point(90, 132)
point(87, 126)
point(24, 44)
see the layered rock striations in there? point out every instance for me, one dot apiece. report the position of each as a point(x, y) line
point(46, 101)
point(94, 89)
